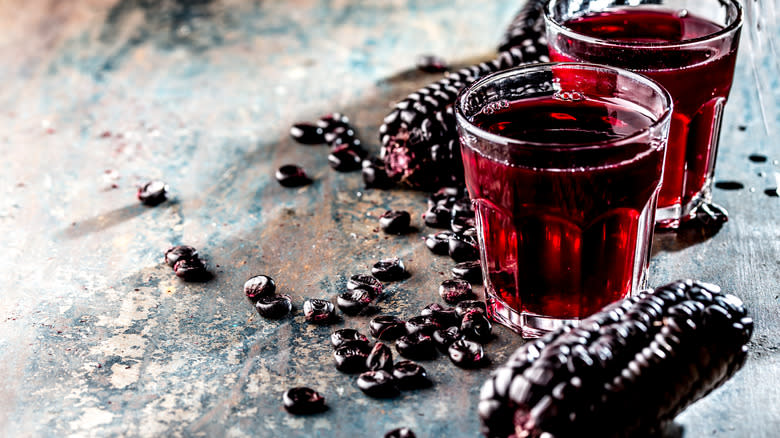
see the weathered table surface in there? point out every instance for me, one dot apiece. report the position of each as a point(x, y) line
point(98, 338)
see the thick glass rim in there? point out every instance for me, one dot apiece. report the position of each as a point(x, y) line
point(560, 28)
point(464, 121)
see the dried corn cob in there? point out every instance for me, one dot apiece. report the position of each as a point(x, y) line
point(626, 370)
point(419, 139)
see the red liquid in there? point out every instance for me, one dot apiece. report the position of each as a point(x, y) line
point(560, 229)
point(698, 78)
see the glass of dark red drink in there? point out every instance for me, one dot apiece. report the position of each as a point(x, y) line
point(563, 163)
point(690, 48)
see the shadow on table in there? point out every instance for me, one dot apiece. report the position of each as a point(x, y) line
point(685, 237)
point(109, 219)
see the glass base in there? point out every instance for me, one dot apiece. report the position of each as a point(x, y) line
point(672, 217)
point(528, 325)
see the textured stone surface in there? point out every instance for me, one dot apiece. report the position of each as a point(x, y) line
point(98, 337)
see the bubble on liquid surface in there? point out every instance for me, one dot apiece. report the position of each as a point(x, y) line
point(682, 13)
point(492, 107)
point(568, 96)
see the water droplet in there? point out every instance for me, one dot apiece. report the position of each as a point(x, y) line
point(729, 185)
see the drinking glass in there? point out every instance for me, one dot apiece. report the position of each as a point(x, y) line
point(690, 48)
point(563, 163)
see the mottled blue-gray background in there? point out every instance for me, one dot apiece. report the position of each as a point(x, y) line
point(98, 338)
